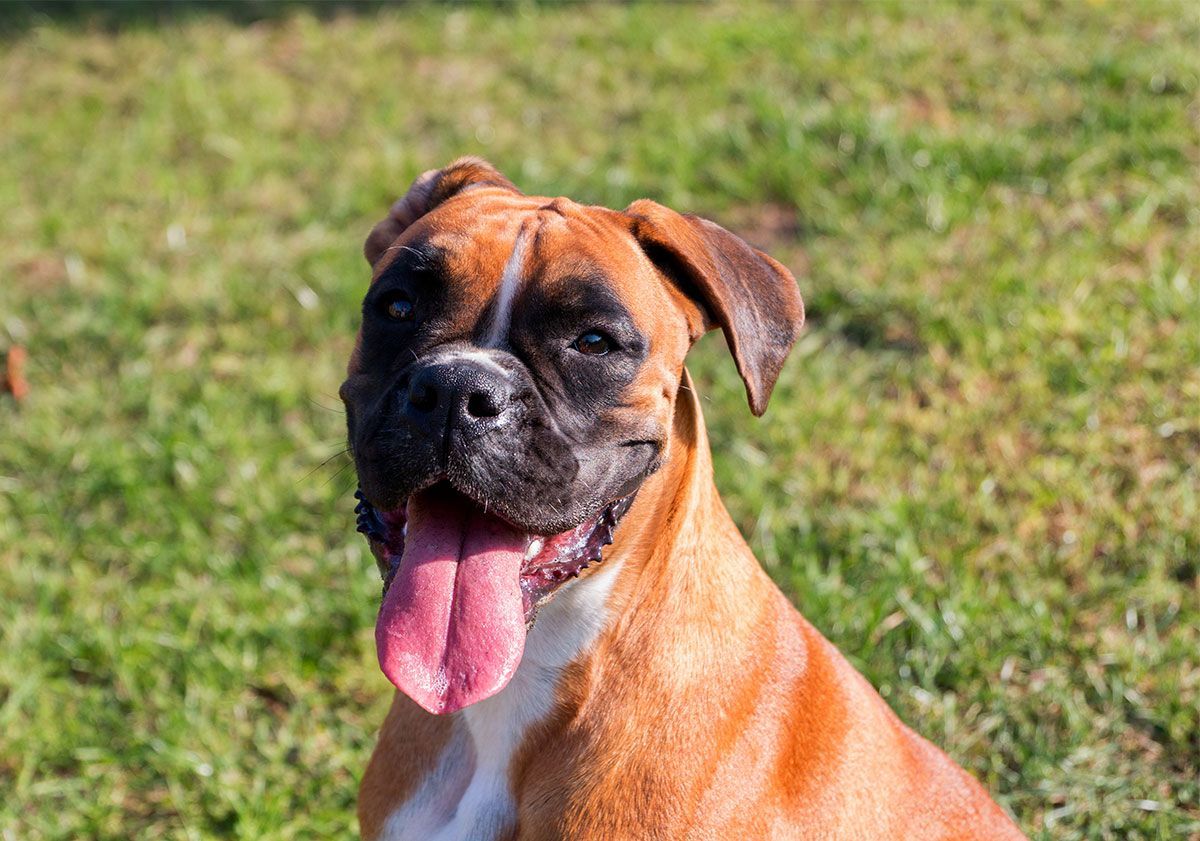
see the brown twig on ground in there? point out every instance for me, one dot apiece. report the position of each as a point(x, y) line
point(14, 372)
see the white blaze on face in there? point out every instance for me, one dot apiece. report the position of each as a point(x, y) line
point(510, 280)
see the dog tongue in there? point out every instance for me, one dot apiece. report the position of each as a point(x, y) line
point(452, 625)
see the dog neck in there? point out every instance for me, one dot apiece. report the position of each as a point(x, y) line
point(665, 580)
point(679, 587)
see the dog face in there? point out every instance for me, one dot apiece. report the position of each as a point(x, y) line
point(516, 374)
point(519, 350)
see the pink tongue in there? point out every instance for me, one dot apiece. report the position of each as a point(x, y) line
point(452, 626)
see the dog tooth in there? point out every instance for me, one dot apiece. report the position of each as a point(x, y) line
point(534, 548)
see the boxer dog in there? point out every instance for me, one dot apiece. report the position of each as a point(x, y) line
point(584, 646)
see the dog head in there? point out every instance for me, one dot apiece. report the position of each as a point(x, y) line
point(513, 384)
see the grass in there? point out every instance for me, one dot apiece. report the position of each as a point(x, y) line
point(978, 475)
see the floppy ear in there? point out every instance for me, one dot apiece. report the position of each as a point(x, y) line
point(753, 298)
point(429, 190)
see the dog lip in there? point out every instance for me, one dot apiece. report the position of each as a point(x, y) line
point(492, 507)
point(565, 556)
point(550, 560)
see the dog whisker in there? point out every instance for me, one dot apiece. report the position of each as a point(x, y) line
point(337, 473)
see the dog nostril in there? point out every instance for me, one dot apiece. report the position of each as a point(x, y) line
point(423, 398)
point(481, 405)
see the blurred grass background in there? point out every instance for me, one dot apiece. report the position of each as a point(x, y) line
point(977, 477)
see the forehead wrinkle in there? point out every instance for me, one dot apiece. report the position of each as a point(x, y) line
point(405, 258)
point(609, 255)
point(603, 223)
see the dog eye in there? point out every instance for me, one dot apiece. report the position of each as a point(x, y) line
point(397, 307)
point(593, 343)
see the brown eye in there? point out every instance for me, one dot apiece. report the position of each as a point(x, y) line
point(398, 307)
point(593, 343)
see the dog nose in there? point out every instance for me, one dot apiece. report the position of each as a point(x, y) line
point(460, 394)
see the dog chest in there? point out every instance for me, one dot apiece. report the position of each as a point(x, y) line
point(468, 794)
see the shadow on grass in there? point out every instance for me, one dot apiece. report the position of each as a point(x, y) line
point(17, 16)
point(870, 324)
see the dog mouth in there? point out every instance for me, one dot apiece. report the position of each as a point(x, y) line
point(461, 588)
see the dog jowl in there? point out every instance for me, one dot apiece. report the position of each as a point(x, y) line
point(512, 386)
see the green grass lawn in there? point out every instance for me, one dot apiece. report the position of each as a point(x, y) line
point(978, 475)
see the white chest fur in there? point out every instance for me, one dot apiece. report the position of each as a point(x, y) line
point(467, 796)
